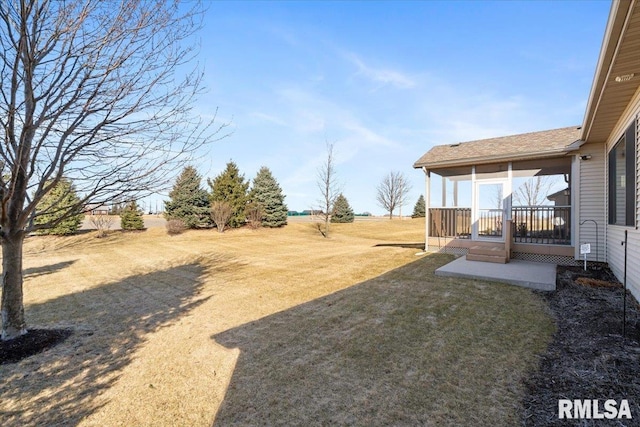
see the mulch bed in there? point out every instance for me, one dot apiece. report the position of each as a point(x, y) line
point(34, 342)
point(588, 357)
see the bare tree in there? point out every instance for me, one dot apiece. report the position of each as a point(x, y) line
point(329, 189)
point(221, 212)
point(99, 92)
point(254, 213)
point(102, 223)
point(392, 192)
point(534, 191)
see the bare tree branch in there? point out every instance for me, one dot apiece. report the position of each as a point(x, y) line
point(534, 191)
point(100, 93)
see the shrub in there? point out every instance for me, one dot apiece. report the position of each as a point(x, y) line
point(175, 226)
point(188, 202)
point(419, 210)
point(342, 211)
point(102, 223)
point(230, 187)
point(254, 213)
point(131, 217)
point(266, 192)
point(221, 212)
point(59, 211)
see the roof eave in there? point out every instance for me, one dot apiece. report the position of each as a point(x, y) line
point(615, 24)
point(493, 159)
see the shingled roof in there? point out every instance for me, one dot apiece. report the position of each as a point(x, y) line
point(548, 143)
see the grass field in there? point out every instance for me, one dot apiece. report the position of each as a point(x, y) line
point(268, 327)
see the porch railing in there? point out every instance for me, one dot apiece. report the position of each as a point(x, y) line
point(490, 223)
point(450, 222)
point(542, 224)
point(549, 225)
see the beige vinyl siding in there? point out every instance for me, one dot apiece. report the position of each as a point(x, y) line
point(615, 256)
point(615, 234)
point(591, 206)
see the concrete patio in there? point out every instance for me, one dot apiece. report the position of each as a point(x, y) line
point(534, 275)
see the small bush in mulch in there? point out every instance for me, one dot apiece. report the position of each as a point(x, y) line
point(175, 226)
point(33, 342)
point(588, 357)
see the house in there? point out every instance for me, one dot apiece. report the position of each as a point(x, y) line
point(596, 165)
point(96, 209)
point(560, 198)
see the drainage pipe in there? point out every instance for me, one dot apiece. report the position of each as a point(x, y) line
point(624, 295)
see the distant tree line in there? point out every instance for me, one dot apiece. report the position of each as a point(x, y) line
point(231, 202)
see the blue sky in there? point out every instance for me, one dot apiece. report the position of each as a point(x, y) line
point(385, 81)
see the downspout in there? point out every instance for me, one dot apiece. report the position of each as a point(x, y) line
point(606, 204)
point(427, 204)
point(624, 289)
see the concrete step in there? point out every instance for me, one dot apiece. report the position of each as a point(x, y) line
point(498, 259)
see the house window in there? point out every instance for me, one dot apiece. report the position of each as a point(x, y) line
point(622, 180)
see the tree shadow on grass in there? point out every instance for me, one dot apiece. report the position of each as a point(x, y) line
point(109, 322)
point(404, 348)
point(47, 269)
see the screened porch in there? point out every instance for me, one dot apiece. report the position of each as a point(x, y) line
point(477, 203)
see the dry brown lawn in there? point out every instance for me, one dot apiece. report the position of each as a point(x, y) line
point(262, 327)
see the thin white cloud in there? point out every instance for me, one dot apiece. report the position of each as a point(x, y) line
point(286, 35)
point(454, 113)
point(268, 118)
point(366, 136)
point(382, 76)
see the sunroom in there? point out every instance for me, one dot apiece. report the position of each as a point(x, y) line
point(502, 198)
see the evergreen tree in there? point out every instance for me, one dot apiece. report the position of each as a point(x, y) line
point(189, 203)
point(267, 194)
point(419, 210)
point(231, 187)
point(342, 211)
point(59, 211)
point(131, 217)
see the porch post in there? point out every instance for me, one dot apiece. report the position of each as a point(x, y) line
point(508, 190)
point(444, 192)
point(508, 231)
point(427, 204)
point(455, 193)
point(474, 202)
point(574, 201)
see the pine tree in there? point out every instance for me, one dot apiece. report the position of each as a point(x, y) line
point(59, 211)
point(131, 217)
point(189, 203)
point(267, 194)
point(342, 211)
point(231, 187)
point(419, 210)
